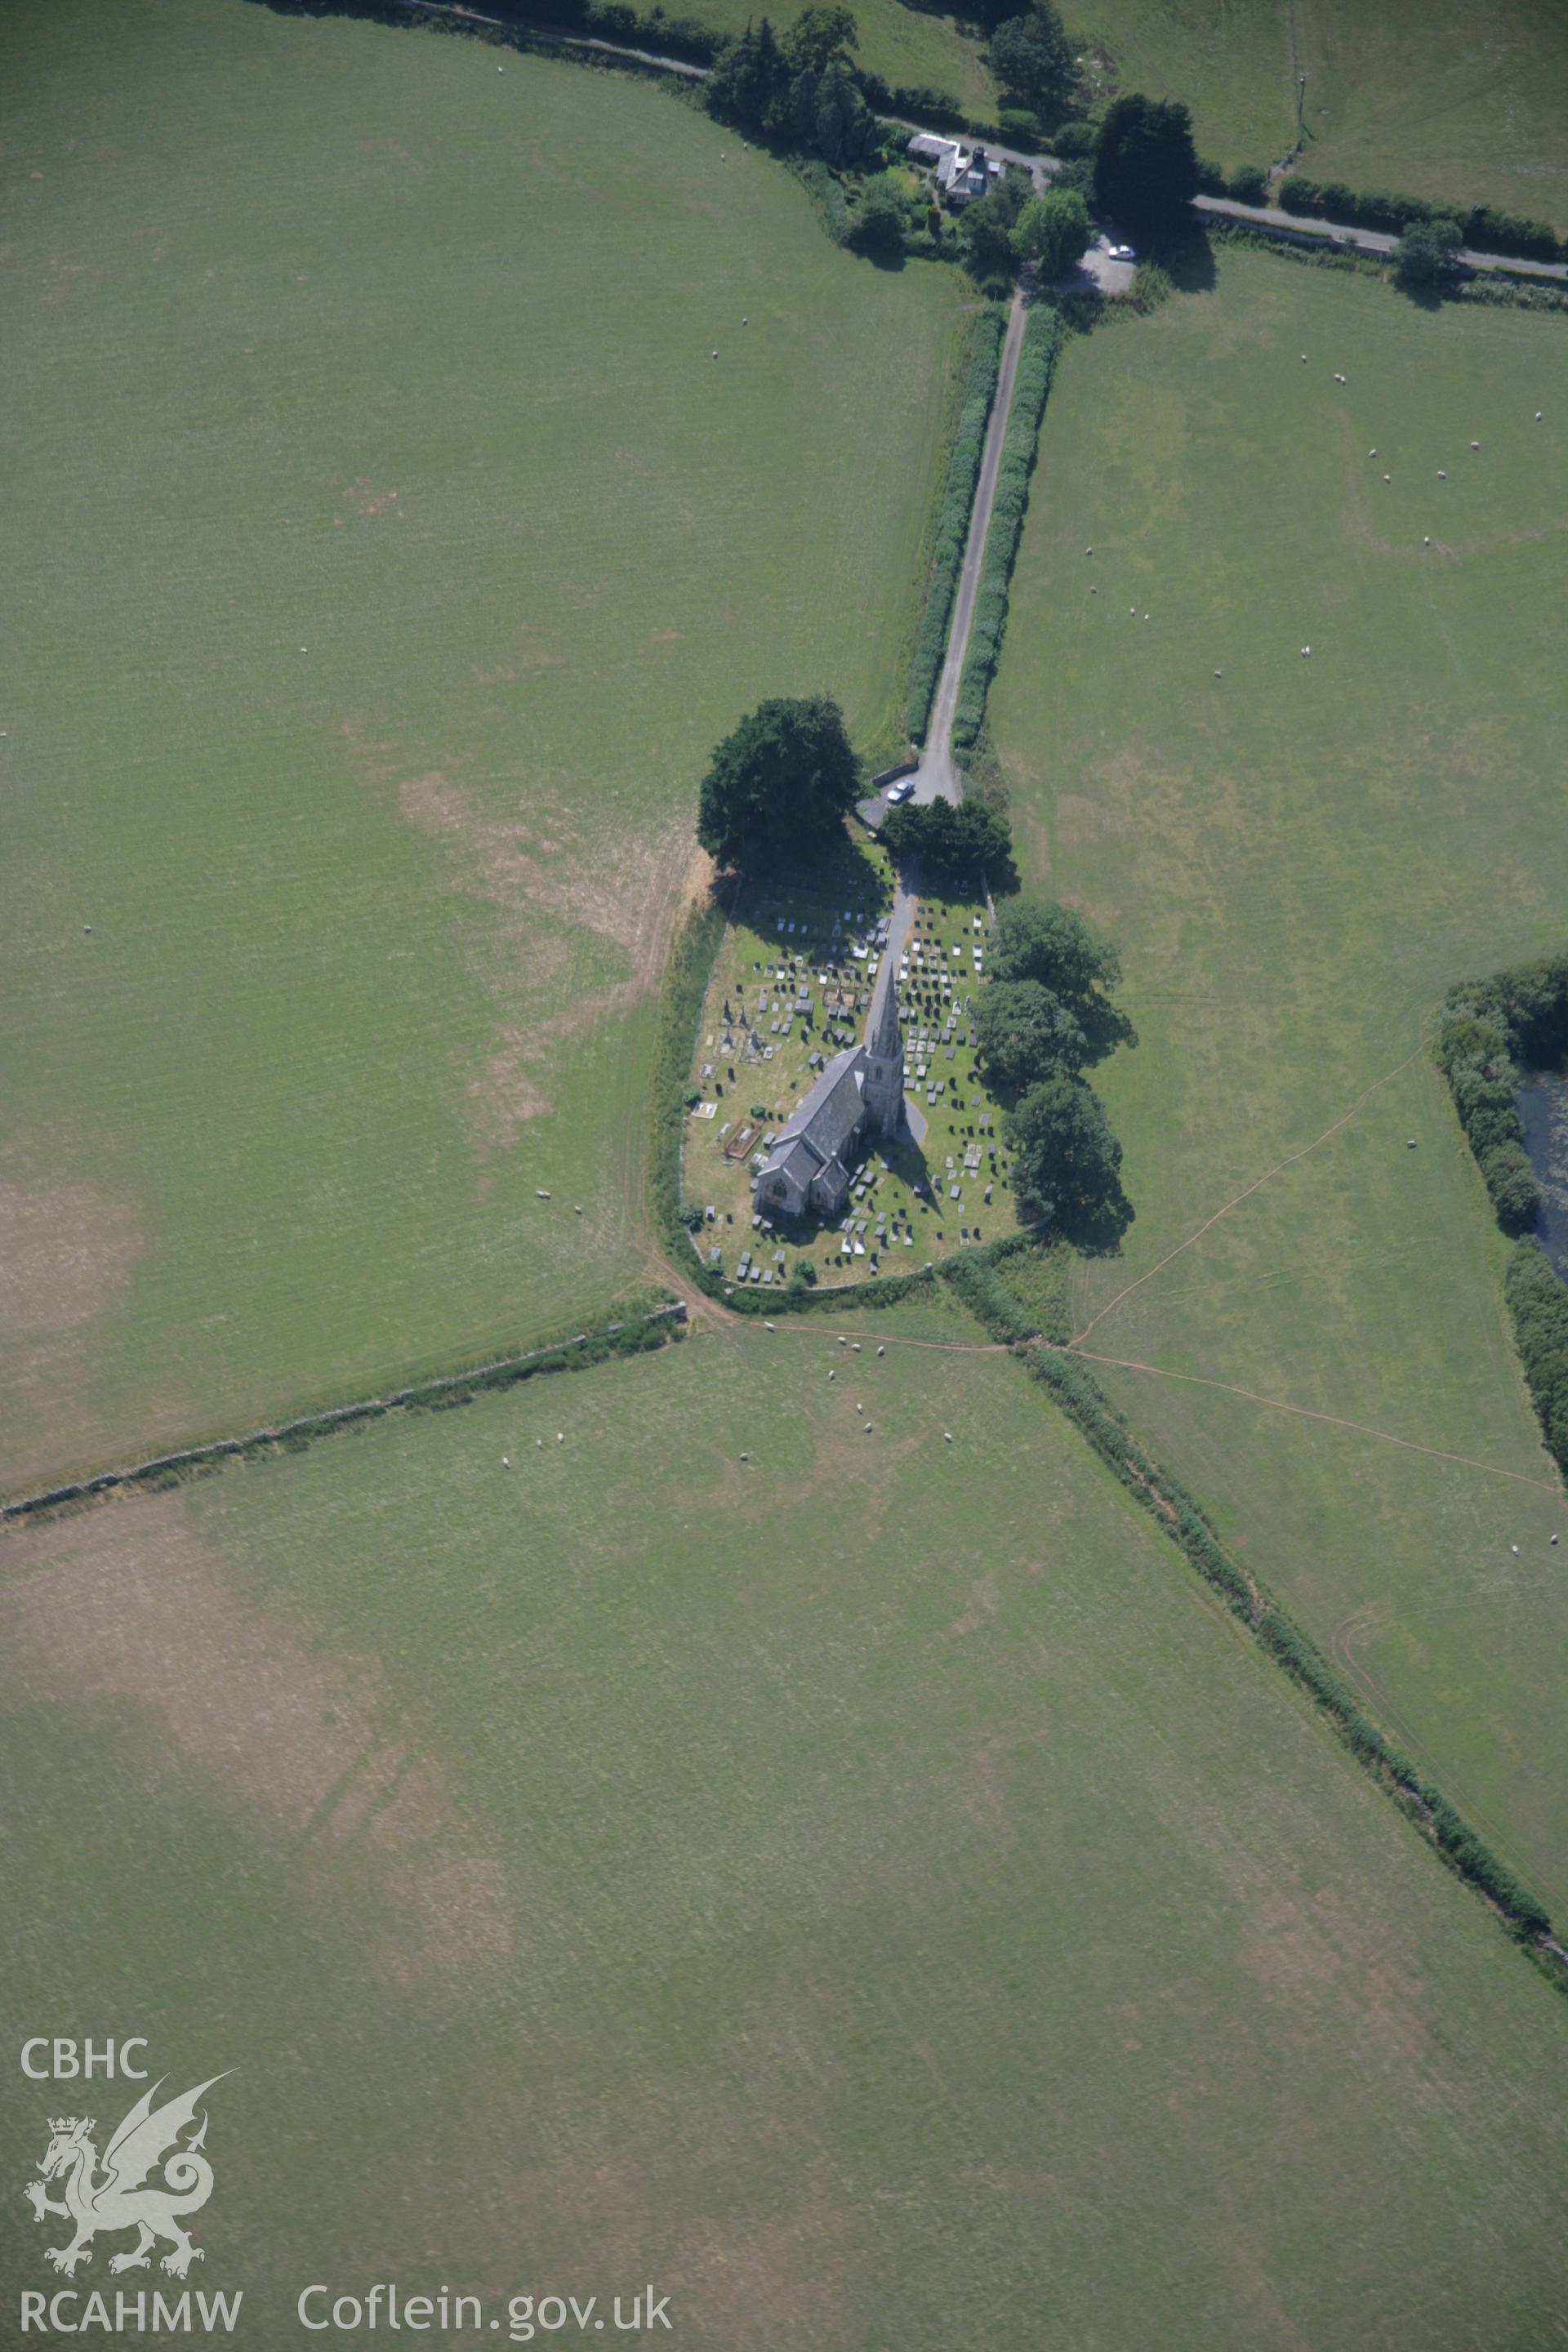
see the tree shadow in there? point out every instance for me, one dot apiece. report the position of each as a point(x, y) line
point(1093, 1228)
point(1186, 257)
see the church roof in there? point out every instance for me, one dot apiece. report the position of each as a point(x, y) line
point(824, 1122)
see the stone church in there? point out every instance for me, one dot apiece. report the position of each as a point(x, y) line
point(858, 1094)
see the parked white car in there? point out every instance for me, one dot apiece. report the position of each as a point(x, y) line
point(1122, 253)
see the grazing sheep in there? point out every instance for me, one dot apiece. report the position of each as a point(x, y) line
point(947, 1436)
point(1475, 444)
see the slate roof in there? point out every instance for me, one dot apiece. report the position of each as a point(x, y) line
point(824, 1122)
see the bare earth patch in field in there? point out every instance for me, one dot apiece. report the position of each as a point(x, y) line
point(63, 1255)
point(317, 1747)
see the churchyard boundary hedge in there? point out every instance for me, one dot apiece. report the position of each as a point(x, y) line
point(1042, 338)
point(953, 516)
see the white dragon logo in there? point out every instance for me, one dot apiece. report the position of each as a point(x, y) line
point(144, 2140)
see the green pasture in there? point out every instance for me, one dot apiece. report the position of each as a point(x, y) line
point(1297, 858)
point(1431, 98)
point(386, 550)
point(911, 47)
point(867, 1891)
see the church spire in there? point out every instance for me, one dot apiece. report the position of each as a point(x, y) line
point(884, 1082)
point(887, 1038)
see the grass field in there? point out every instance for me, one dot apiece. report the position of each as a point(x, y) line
point(1433, 98)
point(908, 47)
point(867, 1891)
point(1296, 859)
point(387, 551)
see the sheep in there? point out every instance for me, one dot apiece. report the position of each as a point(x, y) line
point(1388, 477)
point(1216, 673)
point(1442, 477)
point(768, 1327)
point(505, 1462)
point(947, 1434)
point(881, 1351)
point(1306, 649)
point(1475, 444)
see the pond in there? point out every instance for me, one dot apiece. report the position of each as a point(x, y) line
point(1543, 1109)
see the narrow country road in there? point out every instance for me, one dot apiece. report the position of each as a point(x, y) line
point(1310, 231)
point(937, 777)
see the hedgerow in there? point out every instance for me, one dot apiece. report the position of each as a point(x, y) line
point(953, 519)
point(642, 1329)
point(1182, 1518)
point(825, 194)
point(989, 1298)
point(1482, 226)
point(1036, 366)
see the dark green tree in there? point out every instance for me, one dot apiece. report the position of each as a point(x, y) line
point(1510, 1181)
point(1053, 230)
point(954, 847)
point(1145, 167)
point(1067, 1162)
point(985, 229)
point(780, 787)
point(846, 128)
point(881, 216)
point(1032, 58)
point(1426, 258)
point(749, 79)
point(1036, 938)
point(1027, 1033)
point(820, 38)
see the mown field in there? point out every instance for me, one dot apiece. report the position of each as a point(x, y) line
point(867, 1891)
point(387, 551)
point(1434, 98)
point(1297, 858)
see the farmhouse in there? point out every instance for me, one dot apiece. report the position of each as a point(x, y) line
point(860, 1092)
point(962, 175)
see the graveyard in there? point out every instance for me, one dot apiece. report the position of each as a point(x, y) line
point(792, 985)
